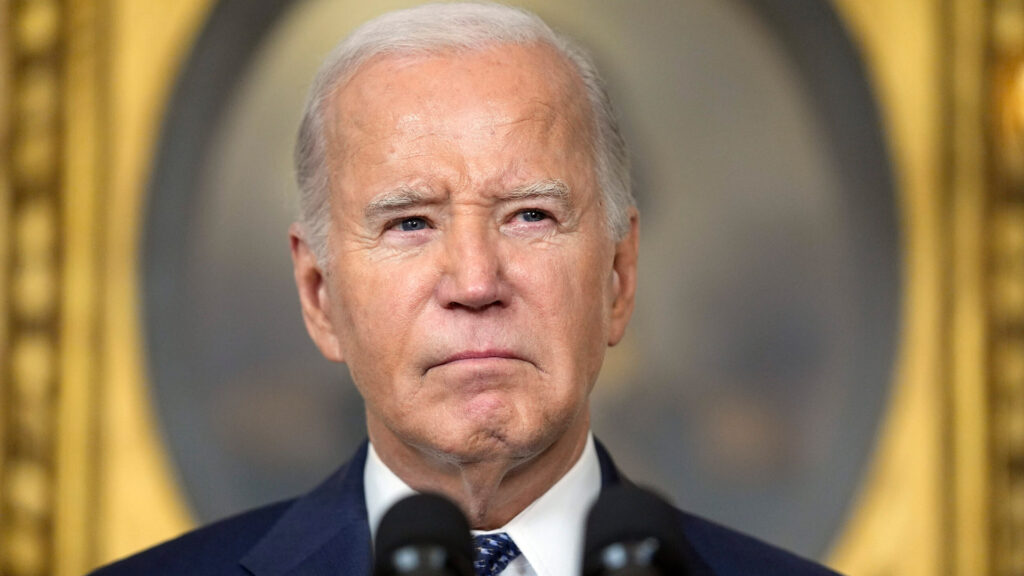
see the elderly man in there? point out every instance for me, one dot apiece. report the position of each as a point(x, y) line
point(468, 247)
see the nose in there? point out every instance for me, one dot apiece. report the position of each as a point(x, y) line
point(473, 268)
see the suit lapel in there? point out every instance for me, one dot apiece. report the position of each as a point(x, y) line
point(610, 475)
point(324, 532)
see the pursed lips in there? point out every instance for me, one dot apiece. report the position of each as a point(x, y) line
point(470, 355)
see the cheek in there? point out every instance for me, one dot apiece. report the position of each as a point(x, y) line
point(379, 305)
point(586, 281)
point(375, 328)
point(568, 294)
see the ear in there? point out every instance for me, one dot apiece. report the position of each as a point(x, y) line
point(624, 279)
point(314, 296)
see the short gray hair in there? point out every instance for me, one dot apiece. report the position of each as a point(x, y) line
point(436, 28)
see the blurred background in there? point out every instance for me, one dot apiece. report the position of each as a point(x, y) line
point(828, 349)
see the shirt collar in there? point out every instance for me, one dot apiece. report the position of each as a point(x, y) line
point(383, 489)
point(549, 532)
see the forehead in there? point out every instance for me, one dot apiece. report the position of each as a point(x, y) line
point(497, 84)
point(459, 122)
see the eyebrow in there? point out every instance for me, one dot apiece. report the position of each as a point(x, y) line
point(404, 197)
point(393, 201)
point(552, 188)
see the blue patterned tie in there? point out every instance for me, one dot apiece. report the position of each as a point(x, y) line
point(493, 553)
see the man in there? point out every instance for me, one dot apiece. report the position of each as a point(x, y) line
point(468, 247)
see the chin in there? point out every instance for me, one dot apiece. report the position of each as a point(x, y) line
point(488, 441)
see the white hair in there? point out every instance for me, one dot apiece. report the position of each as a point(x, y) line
point(435, 28)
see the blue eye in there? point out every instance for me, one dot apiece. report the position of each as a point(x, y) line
point(533, 215)
point(412, 224)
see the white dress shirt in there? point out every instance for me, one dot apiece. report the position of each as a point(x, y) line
point(549, 532)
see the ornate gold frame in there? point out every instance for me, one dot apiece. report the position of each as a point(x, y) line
point(83, 478)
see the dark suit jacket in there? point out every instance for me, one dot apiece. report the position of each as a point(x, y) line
point(326, 533)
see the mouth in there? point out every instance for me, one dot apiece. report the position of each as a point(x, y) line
point(477, 356)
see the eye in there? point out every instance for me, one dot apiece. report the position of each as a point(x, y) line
point(533, 215)
point(413, 224)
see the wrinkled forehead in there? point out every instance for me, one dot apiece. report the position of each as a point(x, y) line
point(547, 84)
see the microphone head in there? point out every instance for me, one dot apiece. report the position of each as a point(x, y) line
point(630, 521)
point(424, 534)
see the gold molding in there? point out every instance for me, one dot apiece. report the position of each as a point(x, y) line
point(6, 77)
point(33, 192)
point(83, 477)
point(968, 337)
point(948, 480)
point(1005, 288)
point(84, 165)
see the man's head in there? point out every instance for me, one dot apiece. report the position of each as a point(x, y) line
point(478, 264)
point(450, 28)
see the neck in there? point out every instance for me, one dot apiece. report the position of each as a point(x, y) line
point(489, 491)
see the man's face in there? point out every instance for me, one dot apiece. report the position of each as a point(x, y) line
point(473, 285)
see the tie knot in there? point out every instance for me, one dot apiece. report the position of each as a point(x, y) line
point(493, 553)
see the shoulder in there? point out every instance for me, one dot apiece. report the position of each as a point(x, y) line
point(727, 551)
point(212, 549)
point(268, 537)
point(720, 550)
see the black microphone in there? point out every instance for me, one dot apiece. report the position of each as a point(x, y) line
point(633, 532)
point(423, 535)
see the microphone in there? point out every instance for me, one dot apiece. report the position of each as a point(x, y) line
point(633, 532)
point(423, 535)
